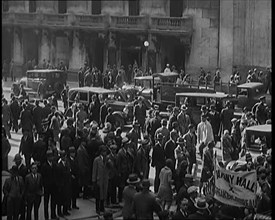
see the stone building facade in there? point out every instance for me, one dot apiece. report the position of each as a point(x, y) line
point(186, 33)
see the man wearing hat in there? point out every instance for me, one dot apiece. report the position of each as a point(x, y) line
point(13, 190)
point(158, 159)
point(163, 130)
point(169, 109)
point(49, 182)
point(192, 192)
point(145, 203)
point(81, 116)
point(167, 68)
point(202, 210)
point(110, 118)
point(15, 111)
point(173, 117)
point(123, 166)
point(227, 114)
point(182, 210)
point(214, 119)
point(154, 124)
point(33, 191)
point(84, 164)
point(260, 110)
point(37, 117)
point(183, 120)
point(143, 159)
point(26, 146)
point(139, 113)
point(170, 147)
point(74, 169)
point(100, 178)
point(190, 142)
point(134, 133)
point(250, 120)
point(181, 153)
point(182, 192)
point(113, 175)
point(63, 185)
point(128, 196)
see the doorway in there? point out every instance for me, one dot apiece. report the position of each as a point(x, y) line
point(176, 8)
point(130, 56)
point(179, 57)
point(62, 6)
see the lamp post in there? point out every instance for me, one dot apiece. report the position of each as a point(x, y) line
point(146, 45)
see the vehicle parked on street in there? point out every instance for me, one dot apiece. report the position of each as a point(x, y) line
point(248, 94)
point(46, 82)
point(194, 101)
point(117, 99)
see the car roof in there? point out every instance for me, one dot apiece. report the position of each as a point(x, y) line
point(250, 85)
point(168, 74)
point(45, 71)
point(98, 90)
point(260, 128)
point(143, 78)
point(203, 94)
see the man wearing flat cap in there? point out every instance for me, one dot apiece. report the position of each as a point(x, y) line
point(145, 203)
point(139, 113)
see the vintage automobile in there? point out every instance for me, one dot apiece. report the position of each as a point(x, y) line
point(194, 101)
point(48, 81)
point(165, 89)
point(248, 94)
point(256, 136)
point(117, 99)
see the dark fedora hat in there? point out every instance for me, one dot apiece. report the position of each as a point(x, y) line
point(145, 183)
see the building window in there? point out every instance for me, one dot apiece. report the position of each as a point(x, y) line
point(96, 7)
point(32, 6)
point(133, 7)
point(5, 5)
point(62, 6)
point(176, 8)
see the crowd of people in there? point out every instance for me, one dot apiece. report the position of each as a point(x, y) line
point(81, 154)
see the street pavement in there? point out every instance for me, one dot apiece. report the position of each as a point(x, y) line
point(87, 206)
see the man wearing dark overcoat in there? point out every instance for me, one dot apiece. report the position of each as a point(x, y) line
point(37, 117)
point(63, 185)
point(145, 203)
point(49, 181)
point(215, 121)
point(13, 190)
point(123, 166)
point(74, 176)
point(143, 159)
point(33, 191)
point(140, 113)
point(173, 117)
point(158, 159)
point(15, 112)
point(26, 146)
point(170, 147)
point(154, 124)
point(26, 120)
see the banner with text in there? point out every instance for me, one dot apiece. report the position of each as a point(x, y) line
point(235, 188)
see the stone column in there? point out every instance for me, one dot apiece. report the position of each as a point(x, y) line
point(226, 38)
point(18, 57)
point(78, 53)
point(53, 48)
point(45, 46)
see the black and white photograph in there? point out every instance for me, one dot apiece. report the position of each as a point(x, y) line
point(136, 110)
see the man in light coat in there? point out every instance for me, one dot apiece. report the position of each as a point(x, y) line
point(100, 178)
point(204, 133)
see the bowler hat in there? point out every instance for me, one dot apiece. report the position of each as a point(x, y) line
point(200, 203)
point(17, 157)
point(133, 178)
